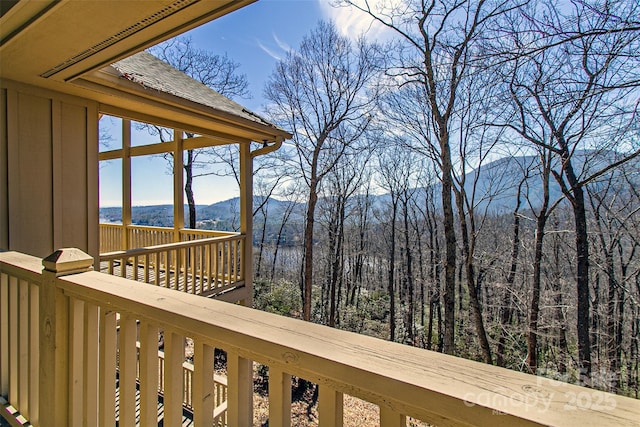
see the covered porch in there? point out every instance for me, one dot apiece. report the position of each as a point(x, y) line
point(202, 262)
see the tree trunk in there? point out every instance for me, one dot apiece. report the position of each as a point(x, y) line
point(409, 275)
point(336, 268)
point(582, 284)
point(449, 294)
point(532, 336)
point(506, 310)
point(263, 235)
point(308, 251)
point(188, 189)
point(391, 274)
point(476, 309)
point(575, 194)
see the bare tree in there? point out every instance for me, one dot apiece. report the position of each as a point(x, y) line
point(437, 39)
point(319, 92)
point(575, 100)
point(219, 72)
point(396, 174)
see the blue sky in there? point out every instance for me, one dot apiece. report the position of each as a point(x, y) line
point(256, 37)
point(259, 35)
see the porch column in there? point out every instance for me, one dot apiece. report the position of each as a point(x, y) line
point(126, 182)
point(178, 184)
point(246, 218)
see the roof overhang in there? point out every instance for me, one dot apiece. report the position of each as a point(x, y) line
point(68, 45)
point(61, 40)
point(122, 97)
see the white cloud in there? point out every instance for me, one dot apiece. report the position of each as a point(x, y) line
point(282, 45)
point(272, 53)
point(352, 22)
point(276, 52)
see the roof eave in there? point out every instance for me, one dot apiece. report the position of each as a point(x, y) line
point(130, 95)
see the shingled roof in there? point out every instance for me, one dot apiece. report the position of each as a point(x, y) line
point(154, 74)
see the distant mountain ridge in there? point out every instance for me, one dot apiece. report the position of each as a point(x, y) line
point(495, 193)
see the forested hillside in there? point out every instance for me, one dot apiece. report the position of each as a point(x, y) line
point(467, 182)
point(505, 138)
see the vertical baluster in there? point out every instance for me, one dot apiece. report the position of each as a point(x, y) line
point(127, 351)
point(123, 266)
point(193, 251)
point(4, 334)
point(23, 349)
point(203, 391)
point(107, 368)
point(223, 262)
point(240, 259)
point(173, 359)
point(91, 366)
point(76, 360)
point(207, 268)
point(214, 265)
point(146, 268)
point(236, 260)
point(14, 339)
point(157, 264)
point(34, 353)
point(180, 254)
point(220, 410)
point(231, 260)
point(279, 397)
point(240, 390)
point(161, 370)
point(167, 269)
point(330, 407)
point(228, 262)
point(186, 385)
point(135, 268)
point(148, 374)
point(391, 418)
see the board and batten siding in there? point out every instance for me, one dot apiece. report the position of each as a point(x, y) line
point(48, 171)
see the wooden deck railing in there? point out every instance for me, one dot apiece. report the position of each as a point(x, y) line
point(116, 237)
point(219, 382)
point(58, 361)
point(198, 264)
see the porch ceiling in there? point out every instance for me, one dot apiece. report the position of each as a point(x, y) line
point(61, 40)
point(69, 46)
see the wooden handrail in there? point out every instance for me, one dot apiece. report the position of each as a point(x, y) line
point(116, 237)
point(167, 246)
point(401, 380)
point(204, 266)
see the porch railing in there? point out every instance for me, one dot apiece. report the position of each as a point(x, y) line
point(117, 237)
point(202, 262)
point(219, 382)
point(59, 339)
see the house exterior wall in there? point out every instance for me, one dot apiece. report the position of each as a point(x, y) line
point(48, 171)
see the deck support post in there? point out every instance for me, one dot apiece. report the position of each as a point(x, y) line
point(126, 183)
point(178, 184)
point(246, 219)
point(54, 334)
